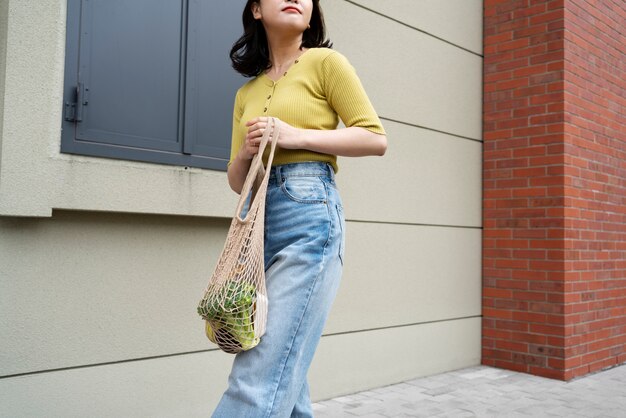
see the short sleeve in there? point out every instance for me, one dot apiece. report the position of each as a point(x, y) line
point(346, 95)
point(236, 140)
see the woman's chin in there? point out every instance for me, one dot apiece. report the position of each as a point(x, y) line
point(289, 27)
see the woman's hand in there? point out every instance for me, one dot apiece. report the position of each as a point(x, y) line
point(290, 137)
point(238, 170)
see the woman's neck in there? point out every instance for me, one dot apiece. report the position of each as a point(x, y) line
point(283, 52)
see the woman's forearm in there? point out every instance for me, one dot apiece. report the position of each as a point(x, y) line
point(348, 142)
point(237, 173)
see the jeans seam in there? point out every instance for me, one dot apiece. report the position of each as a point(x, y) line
point(295, 334)
point(330, 216)
point(341, 230)
point(310, 174)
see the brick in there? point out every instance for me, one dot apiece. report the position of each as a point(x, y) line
point(529, 359)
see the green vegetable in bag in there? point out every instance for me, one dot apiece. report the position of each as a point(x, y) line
point(231, 323)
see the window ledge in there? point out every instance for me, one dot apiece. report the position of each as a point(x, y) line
point(101, 184)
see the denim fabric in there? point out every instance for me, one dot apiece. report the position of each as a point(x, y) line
point(304, 244)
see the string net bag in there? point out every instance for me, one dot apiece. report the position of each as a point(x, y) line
point(234, 305)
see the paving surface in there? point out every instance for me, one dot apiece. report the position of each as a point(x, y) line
point(484, 391)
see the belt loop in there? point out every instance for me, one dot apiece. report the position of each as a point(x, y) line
point(331, 171)
point(279, 176)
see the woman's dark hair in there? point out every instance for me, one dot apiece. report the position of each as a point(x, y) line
point(250, 54)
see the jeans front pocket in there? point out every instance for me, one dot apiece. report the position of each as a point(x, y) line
point(305, 189)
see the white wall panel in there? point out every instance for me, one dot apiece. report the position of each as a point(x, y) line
point(191, 385)
point(83, 288)
point(126, 286)
point(404, 274)
point(359, 361)
point(457, 21)
point(4, 22)
point(425, 177)
point(179, 386)
point(408, 75)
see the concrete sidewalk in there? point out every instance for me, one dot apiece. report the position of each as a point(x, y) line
point(483, 391)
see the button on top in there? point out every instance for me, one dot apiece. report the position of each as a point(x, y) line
point(269, 96)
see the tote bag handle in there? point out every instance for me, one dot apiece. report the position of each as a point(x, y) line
point(257, 171)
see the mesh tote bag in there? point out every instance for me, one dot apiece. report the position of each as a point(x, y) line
point(234, 306)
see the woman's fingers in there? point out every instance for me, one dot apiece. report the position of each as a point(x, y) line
point(256, 129)
point(259, 127)
point(256, 123)
point(256, 120)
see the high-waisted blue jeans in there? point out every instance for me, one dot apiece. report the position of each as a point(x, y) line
point(304, 244)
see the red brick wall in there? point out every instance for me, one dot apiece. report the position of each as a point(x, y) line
point(595, 187)
point(554, 186)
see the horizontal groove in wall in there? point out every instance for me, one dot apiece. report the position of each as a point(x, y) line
point(215, 349)
point(429, 129)
point(412, 224)
point(107, 363)
point(402, 325)
point(412, 27)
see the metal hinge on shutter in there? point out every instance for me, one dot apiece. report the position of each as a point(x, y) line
point(73, 111)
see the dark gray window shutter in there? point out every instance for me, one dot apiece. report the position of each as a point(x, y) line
point(211, 81)
point(145, 79)
point(130, 68)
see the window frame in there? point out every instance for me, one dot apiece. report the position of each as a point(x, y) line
point(70, 144)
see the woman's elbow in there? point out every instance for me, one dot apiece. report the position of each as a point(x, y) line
point(381, 144)
point(234, 188)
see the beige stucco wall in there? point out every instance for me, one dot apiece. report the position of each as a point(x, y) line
point(102, 262)
point(4, 11)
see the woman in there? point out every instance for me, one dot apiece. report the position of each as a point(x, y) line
point(307, 86)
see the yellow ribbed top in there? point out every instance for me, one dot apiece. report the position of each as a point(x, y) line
point(318, 89)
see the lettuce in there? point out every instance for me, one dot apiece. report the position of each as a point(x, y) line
point(231, 323)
